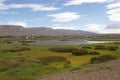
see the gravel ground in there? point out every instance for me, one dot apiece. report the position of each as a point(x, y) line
point(104, 71)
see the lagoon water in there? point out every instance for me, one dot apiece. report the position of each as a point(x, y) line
point(57, 42)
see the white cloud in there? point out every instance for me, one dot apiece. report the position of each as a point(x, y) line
point(65, 16)
point(34, 7)
point(95, 27)
point(78, 2)
point(114, 14)
point(114, 5)
point(101, 29)
point(18, 23)
point(114, 11)
point(112, 31)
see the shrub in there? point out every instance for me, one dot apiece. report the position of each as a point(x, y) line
point(9, 42)
point(87, 47)
point(17, 49)
point(112, 48)
point(52, 59)
point(63, 49)
point(6, 64)
point(116, 43)
point(100, 47)
point(26, 41)
point(84, 52)
point(94, 53)
point(102, 58)
point(80, 52)
point(3, 67)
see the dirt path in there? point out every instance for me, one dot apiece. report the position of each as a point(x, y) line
point(104, 71)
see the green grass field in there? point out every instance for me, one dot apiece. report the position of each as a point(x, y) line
point(24, 62)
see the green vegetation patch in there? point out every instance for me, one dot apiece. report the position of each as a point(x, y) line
point(112, 48)
point(101, 47)
point(15, 49)
point(62, 49)
point(31, 69)
point(103, 58)
point(84, 52)
point(7, 55)
point(26, 62)
point(87, 47)
point(6, 64)
point(53, 59)
point(80, 52)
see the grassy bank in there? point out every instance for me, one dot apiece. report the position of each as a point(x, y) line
point(27, 62)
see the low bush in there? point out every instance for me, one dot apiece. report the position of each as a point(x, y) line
point(100, 47)
point(80, 52)
point(102, 58)
point(8, 42)
point(6, 64)
point(84, 52)
point(63, 49)
point(112, 48)
point(87, 47)
point(16, 49)
point(52, 59)
point(94, 53)
point(116, 43)
point(27, 41)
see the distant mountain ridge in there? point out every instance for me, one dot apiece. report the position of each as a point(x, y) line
point(16, 30)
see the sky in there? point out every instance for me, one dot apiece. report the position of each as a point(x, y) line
point(101, 16)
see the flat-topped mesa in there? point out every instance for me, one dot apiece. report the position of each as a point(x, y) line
point(11, 27)
point(16, 30)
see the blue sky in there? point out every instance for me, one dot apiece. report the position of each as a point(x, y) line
point(100, 16)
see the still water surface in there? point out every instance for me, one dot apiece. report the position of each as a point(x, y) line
point(57, 42)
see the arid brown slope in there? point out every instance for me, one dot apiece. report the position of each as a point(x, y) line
point(12, 30)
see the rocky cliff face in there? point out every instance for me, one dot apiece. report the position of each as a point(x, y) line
point(12, 30)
